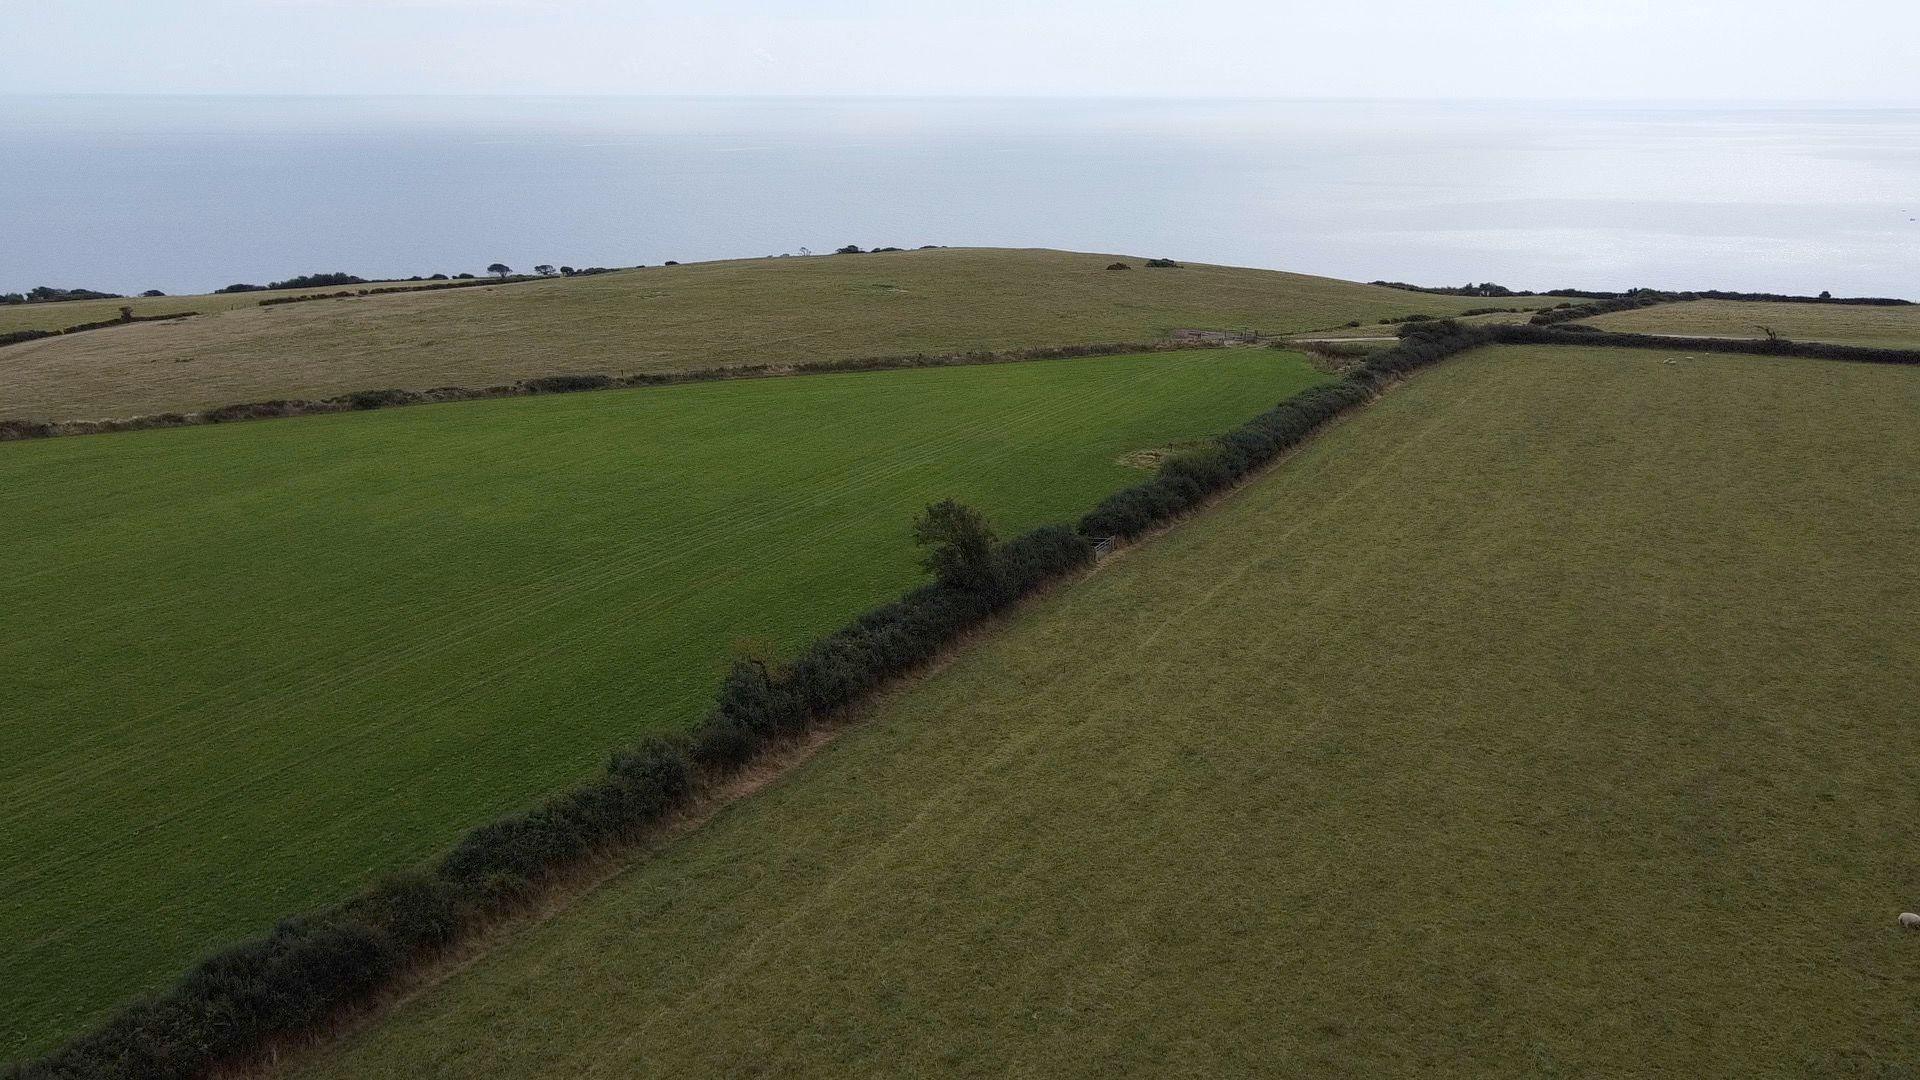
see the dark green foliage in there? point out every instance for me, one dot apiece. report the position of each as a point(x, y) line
point(315, 281)
point(1815, 350)
point(1118, 266)
point(47, 294)
point(1637, 298)
point(566, 384)
point(958, 543)
point(1163, 264)
point(1488, 288)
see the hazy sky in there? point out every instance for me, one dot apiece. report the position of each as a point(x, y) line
point(1850, 50)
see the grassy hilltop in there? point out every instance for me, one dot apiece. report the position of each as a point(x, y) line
point(251, 665)
point(756, 311)
point(1545, 719)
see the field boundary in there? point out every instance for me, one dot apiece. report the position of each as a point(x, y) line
point(1807, 350)
point(312, 970)
point(21, 337)
point(367, 400)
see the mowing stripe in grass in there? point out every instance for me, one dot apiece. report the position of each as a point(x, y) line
point(266, 661)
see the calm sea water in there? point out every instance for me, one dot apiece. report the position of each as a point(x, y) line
point(187, 194)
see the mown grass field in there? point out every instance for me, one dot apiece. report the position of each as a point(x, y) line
point(1846, 324)
point(703, 315)
point(1549, 718)
point(248, 666)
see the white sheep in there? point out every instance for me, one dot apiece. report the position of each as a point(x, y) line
point(1909, 920)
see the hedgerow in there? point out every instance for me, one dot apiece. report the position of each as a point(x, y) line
point(1638, 298)
point(14, 337)
point(1814, 350)
point(238, 1004)
point(1188, 480)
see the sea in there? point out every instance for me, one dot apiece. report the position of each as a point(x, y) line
point(185, 194)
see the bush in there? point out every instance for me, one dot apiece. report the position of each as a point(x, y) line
point(1163, 264)
point(314, 281)
point(1118, 266)
point(959, 546)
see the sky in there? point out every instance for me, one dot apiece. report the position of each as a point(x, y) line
point(1855, 51)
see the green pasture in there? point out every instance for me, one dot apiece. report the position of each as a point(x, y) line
point(249, 666)
point(1552, 717)
point(1845, 324)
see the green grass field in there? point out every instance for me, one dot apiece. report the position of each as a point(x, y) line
point(1846, 324)
point(1550, 718)
point(251, 665)
point(666, 318)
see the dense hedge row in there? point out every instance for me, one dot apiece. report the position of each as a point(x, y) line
point(1639, 298)
point(383, 290)
point(1488, 288)
point(1816, 350)
point(1185, 481)
point(239, 1003)
point(15, 337)
point(361, 400)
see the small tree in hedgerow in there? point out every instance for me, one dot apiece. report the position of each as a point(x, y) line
point(500, 269)
point(959, 545)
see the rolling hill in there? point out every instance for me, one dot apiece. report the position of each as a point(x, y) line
point(706, 315)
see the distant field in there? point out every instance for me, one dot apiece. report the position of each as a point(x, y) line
point(74, 312)
point(1847, 324)
point(1550, 718)
point(666, 318)
point(250, 665)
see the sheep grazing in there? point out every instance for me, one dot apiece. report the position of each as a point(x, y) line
point(1909, 920)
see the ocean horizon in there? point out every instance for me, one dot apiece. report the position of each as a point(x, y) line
point(188, 194)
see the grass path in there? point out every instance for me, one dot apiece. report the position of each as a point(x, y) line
point(1543, 719)
point(266, 661)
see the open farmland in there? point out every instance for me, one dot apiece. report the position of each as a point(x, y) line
point(1846, 324)
point(759, 311)
point(62, 314)
point(1547, 718)
point(251, 665)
